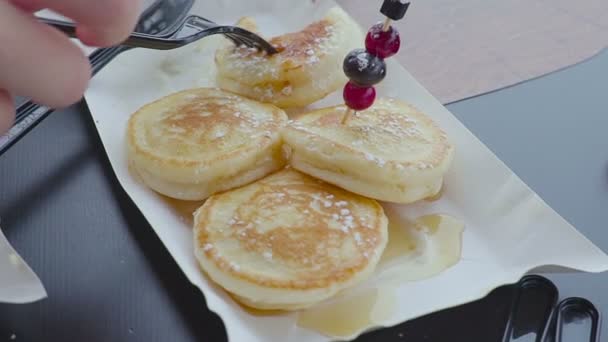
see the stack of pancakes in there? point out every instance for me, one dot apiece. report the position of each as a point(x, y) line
point(291, 214)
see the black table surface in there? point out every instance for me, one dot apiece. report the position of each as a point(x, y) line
point(109, 278)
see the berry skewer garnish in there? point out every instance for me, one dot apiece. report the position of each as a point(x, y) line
point(366, 67)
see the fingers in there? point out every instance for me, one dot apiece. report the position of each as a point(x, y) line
point(28, 5)
point(100, 22)
point(7, 111)
point(39, 62)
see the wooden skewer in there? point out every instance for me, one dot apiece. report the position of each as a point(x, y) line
point(350, 112)
point(347, 115)
point(387, 24)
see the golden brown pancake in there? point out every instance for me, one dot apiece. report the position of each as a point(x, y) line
point(288, 241)
point(391, 151)
point(194, 143)
point(307, 68)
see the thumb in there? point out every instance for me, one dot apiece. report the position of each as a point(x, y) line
point(7, 111)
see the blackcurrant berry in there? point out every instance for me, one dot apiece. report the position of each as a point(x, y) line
point(363, 68)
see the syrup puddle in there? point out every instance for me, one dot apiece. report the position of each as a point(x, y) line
point(416, 250)
point(346, 316)
point(421, 249)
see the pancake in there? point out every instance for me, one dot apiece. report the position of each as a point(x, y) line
point(390, 152)
point(288, 241)
point(307, 68)
point(194, 143)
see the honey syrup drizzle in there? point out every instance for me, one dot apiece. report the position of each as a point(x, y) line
point(348, 315)
point(416, 250)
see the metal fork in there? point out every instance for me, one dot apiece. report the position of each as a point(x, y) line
point(202, 28)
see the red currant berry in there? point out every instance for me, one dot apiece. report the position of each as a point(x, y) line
point(383, 44)
point(358, 97)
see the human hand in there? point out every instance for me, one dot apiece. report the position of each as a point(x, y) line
point(40, 63)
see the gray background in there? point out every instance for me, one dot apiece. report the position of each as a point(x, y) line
point(110, 279)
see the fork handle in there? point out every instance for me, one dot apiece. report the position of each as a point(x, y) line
point(134, 40)
point(63, 26)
